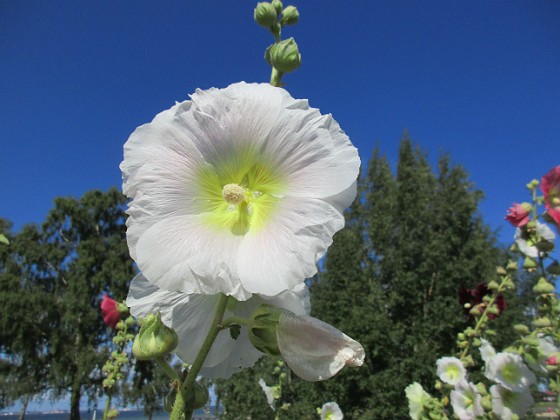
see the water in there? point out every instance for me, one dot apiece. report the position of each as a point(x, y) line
point(88, 415)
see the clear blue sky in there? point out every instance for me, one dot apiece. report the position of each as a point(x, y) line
point(477, 79)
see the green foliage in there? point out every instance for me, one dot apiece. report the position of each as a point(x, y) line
point(51, 330)
point(391, 281)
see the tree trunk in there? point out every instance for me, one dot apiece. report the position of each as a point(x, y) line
point(24, 404)
point(75, 403)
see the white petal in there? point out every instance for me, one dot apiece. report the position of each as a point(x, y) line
point(343, 200)
point(509, 370)
point(315, 154)
point(331, 411)
point(313, 349)
point(181, 253)
point(451, 370)
point(286, 251)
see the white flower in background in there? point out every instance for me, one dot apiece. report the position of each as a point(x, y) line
point(451, 370)
point(487, 352)
point(417, 400)
point(191, 317)
point(271, 393)
point(466, 401)
point(505, 403)
point(313, 349)
point(237, 191)
point(527, 246)
point(508, 370)
point(331, 411)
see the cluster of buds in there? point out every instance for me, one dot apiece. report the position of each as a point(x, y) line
point(114, 368)
point(283, 56)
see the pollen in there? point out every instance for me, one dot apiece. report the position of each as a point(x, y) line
point(233, 193)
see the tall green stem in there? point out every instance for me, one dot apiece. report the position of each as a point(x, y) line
point(186, 386)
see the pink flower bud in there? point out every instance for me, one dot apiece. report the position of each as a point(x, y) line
point(552, 360)
point(518, 215)
point(111, 315)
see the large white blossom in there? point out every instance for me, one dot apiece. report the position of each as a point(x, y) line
point(331, 411)
point(508, 370)
point(505, 403)
point(237, 191)
point(466, 401)
point(313, 349)
point(451, 370)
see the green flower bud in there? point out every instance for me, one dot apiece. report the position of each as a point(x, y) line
point(529, 263)
point(532, 225)
point(197, 397)
point(552, 368)
point(262, 329)
point(118, 339)
point(521, 329)
point(468, 361)
point(554, 268)
point(120, 325)
point(511, 266)
point(265, 14)
point(154, 340)
point(493, 285)
point(284, 56)
point(122, 308)
point(543, 287)
point(461, 337)
point(542, 322)
point(283, 375)
point(501, 271)
point(290, 16)
point(113, 413)
point(277, 4)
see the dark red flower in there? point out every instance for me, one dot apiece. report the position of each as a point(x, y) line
point(111, 315)
point(474, 297)
point(550, 186)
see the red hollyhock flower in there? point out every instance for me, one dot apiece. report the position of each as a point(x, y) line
point(474, 298)
point(111, 315)
point(517, 215)
point(550, 186)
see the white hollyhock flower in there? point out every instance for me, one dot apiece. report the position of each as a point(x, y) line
point(237, 191)
point(526, 246)
point(505, 403)
point(315, 350)
point(191, 317)
point(271, 393)
point(451, 370)
point(417, 400)
point(466, 401)
point(487, 352)
point(508, 370)
point(331, 411)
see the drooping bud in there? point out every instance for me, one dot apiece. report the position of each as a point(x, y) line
point(265, 14)
point(290, 16)
point(511, 266)
point(262, 329)
point(284, 56)
point(543, 287)
point(493, 285)
point(197, 397)
point(154, 340)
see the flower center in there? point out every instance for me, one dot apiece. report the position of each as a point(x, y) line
point(233, 193)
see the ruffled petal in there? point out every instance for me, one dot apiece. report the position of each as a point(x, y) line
point(285, 252)
point(315, 350)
